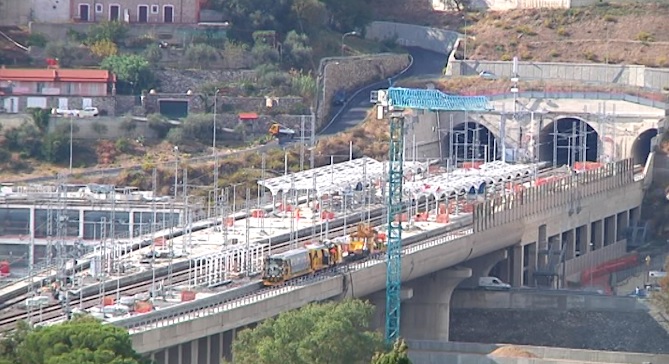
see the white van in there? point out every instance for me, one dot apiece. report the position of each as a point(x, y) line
point(38, 301)
point(493, 283)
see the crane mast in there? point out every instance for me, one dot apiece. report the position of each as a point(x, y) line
point(394, 251)
point(394, 99)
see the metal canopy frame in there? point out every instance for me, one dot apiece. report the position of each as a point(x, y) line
point(335, 178)
point(435, 100)
point(461, 182)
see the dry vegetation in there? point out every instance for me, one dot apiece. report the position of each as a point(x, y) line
point(624, 34)
point(472, 86)
point(369, 139)
point(510, 351)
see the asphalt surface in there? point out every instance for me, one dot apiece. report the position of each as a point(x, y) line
point(351, 114)
point(424, 63)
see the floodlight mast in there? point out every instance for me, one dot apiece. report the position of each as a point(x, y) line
point(394, 250)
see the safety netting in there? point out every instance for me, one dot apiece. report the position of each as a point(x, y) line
point(468, 181)
point(354, 174)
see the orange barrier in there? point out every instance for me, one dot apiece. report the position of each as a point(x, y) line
point(401, 218)
point(472, 165)
point(5, 269)
point(297, 214)
point(143, 307)
point(382, 236)
point(587, 166)
point(609, 267)
point(108, 301)
point(160, 241)
point(327, 215)
point(421, 216)
point(442, 208)
point(188, 296)
point(258, 213)
point(443, 218)
point(285, 208)
point(468, 208)
point(229, 221)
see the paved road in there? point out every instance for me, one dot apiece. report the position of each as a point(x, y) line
point(424, 63)
point(354, 112)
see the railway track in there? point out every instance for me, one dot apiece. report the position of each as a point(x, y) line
point(55, 310)
point(373, 217)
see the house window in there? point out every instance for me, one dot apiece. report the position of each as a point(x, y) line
point(154, 9)
point(168, 14)
point(98, 8)
point(39, 87)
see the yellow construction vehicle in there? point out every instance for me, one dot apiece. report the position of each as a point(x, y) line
point(281, 132)
point(364, 241)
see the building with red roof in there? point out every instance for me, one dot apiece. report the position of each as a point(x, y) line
point(22, 88)
point(54, 82)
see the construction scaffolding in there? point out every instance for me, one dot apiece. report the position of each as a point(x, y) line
point(213, 269)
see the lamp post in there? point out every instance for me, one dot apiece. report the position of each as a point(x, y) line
point(464, 53)
point(176, 171)
point(213, 144)
point(71, 144)
point(342, 40)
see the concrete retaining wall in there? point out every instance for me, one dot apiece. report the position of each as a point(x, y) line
point(536, 300)
point(429, 352)
point(632, 75)
point(409, 35)
point(352, 73)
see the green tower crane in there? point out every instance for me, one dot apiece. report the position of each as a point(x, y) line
point(396, 99)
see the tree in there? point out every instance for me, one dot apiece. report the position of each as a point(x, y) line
point(132, 71)
point(113, 31)
point(83, 340)
point(104, 48)
point(334, 333)
point(662, 299)
point(399, 355)
point(41, 118)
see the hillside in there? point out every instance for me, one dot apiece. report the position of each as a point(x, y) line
point(629, 34)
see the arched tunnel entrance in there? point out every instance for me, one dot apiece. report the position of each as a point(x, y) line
point(471, 141)
point(568, 140)
point(641, 146)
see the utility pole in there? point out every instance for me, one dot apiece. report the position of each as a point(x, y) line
point(302, 142)
point(312, 141)
point(215, 152)
point(248, 237)
point(154, 184)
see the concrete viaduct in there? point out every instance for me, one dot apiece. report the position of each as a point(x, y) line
point(587, 213)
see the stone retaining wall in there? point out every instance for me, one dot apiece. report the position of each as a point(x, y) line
point(352, 73)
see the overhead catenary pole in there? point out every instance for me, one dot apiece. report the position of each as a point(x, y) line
point(213, 142)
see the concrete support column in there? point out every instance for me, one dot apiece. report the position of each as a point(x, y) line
point(81, 223)
point(426, 315)
point(622, 223)
point(582, 234)
point(533, 256)
point(481, 267)
point(569, 243)
point(518, 266)
point(597, 234)
point(609, 230)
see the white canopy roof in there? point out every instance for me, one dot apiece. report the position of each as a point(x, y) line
point(334, 178)
point(462, 181)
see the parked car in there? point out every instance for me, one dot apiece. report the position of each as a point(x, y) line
point(64, 112)
point(88, 112)
point(339, 98)
point(487, 75)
